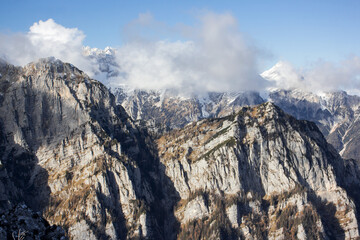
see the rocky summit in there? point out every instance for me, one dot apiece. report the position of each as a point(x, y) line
point(69, 151)
point(335, 113)
point(73, 156)
point(259, 174)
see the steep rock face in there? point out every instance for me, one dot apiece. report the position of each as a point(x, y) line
point(335, 113)
point(260, 167)
point(20, 222)
point(69, 151)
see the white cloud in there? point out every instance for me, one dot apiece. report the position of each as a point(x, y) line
point(44, 39)
point(215, 58)
point(16, 49)
point(156, 65)
point(49, 31)
point(283, 75)
point(322, 76)
point(329, 76)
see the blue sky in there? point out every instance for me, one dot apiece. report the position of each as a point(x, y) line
point(300, 32)
point(296, 31)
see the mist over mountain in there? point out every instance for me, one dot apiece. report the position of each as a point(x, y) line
point(214, 50)
point(335, 112)
point(321, 77)
point(213, 56)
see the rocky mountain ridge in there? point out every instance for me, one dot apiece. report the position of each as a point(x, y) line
point(335, 113)
point(255, 166)
point(71, 152)
point(164, 110)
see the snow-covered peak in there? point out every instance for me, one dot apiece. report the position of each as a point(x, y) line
point(283, 75)
point(95, 52)
point(104, 64)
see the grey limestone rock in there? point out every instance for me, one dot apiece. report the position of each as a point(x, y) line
point(69, 151)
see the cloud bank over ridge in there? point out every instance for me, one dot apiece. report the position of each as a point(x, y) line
point(214, 55)
point(216, 58)
point(321, 76)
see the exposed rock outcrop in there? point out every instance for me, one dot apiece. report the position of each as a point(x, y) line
point(265, 173)
point(69, 151)
point(20, 222)
point(335, 113)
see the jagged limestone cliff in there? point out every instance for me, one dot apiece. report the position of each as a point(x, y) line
point(69, 151)
point(335, 113)
point(258, 174)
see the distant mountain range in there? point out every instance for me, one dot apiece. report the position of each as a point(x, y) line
point(335, 113)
